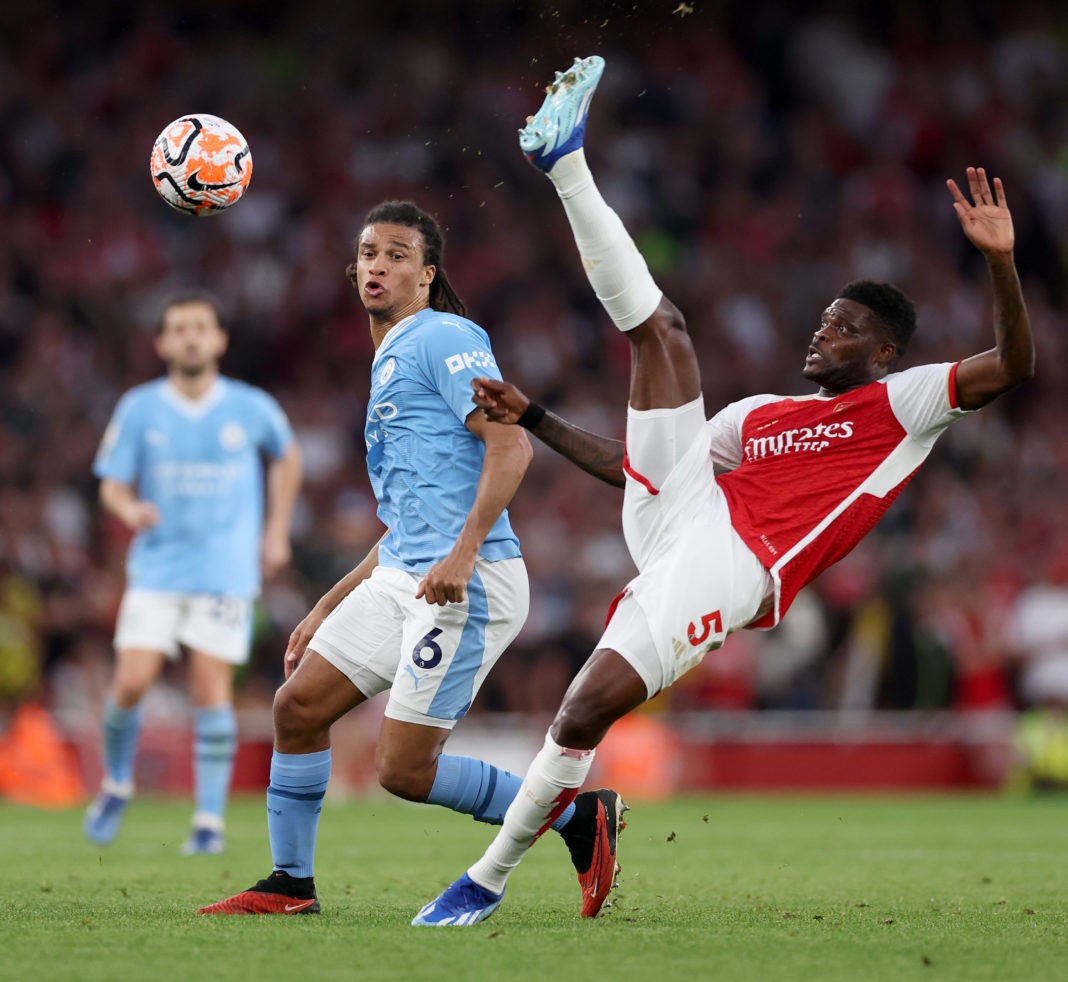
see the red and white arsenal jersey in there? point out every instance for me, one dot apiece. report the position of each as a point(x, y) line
point(809, 476)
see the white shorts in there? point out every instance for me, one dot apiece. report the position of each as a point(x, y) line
point(157, 621)
point(433, 659)
point(697, 580)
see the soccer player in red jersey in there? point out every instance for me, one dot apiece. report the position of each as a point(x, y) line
point(728, 518)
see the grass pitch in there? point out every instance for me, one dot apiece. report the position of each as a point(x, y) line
point(720, 887)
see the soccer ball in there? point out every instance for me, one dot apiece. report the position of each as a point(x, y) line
point(200, 164)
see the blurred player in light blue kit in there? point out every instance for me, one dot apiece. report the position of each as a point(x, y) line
point(435, 602)
point(182, 464)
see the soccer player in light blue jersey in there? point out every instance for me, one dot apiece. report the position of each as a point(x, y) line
point(182, 464)
point(432, 606)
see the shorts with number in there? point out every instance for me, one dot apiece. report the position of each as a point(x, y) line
point(432, 658)
point(157, 621)
point(697, 580)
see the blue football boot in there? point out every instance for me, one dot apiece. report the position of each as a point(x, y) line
point(462, 904)
point(558, 127)
point(104, 816)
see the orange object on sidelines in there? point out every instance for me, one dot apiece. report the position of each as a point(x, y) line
point(36, 766)
point(640, 758)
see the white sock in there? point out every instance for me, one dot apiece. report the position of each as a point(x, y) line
point(206, 820)
point(616, 270)
point(553, 775)
point(121, 789)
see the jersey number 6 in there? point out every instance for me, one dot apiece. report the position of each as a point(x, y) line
point(426, 653)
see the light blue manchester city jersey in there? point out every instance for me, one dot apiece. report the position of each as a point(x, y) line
point(200, 464)
point(423, 462)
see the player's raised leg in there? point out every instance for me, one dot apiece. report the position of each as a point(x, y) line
point(664, 370)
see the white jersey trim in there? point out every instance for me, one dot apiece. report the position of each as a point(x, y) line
point(193, 408)
point(393, 333)
point(898, 465)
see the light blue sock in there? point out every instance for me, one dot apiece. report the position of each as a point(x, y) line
point(122, 728)
point(473, 787)
point(214, 746)
point(294, 801)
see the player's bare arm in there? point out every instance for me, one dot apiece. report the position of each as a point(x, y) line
point(508, 454)
point(121, 501)
point(283, 484)
point(987, 223)
point(305, 630)
point(600, 456)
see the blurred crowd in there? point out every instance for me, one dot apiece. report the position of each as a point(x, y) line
point(761, 161)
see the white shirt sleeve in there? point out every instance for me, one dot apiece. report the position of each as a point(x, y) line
point(725, 431)
point(924, 399)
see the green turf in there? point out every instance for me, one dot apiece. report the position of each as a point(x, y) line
point(726, 888)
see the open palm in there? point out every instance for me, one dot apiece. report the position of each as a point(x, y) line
point(986, 219)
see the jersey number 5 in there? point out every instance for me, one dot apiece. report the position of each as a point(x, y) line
point(709, 622)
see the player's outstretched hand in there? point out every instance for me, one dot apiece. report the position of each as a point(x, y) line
point(502, 402)
point(298, 640)
point(985, 219)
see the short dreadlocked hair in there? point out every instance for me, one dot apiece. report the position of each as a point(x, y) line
point(890, 306)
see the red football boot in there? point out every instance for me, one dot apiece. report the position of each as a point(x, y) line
point(591, 838)
point(280, 893)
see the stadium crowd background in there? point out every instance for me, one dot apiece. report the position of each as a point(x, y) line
point(762, 161)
